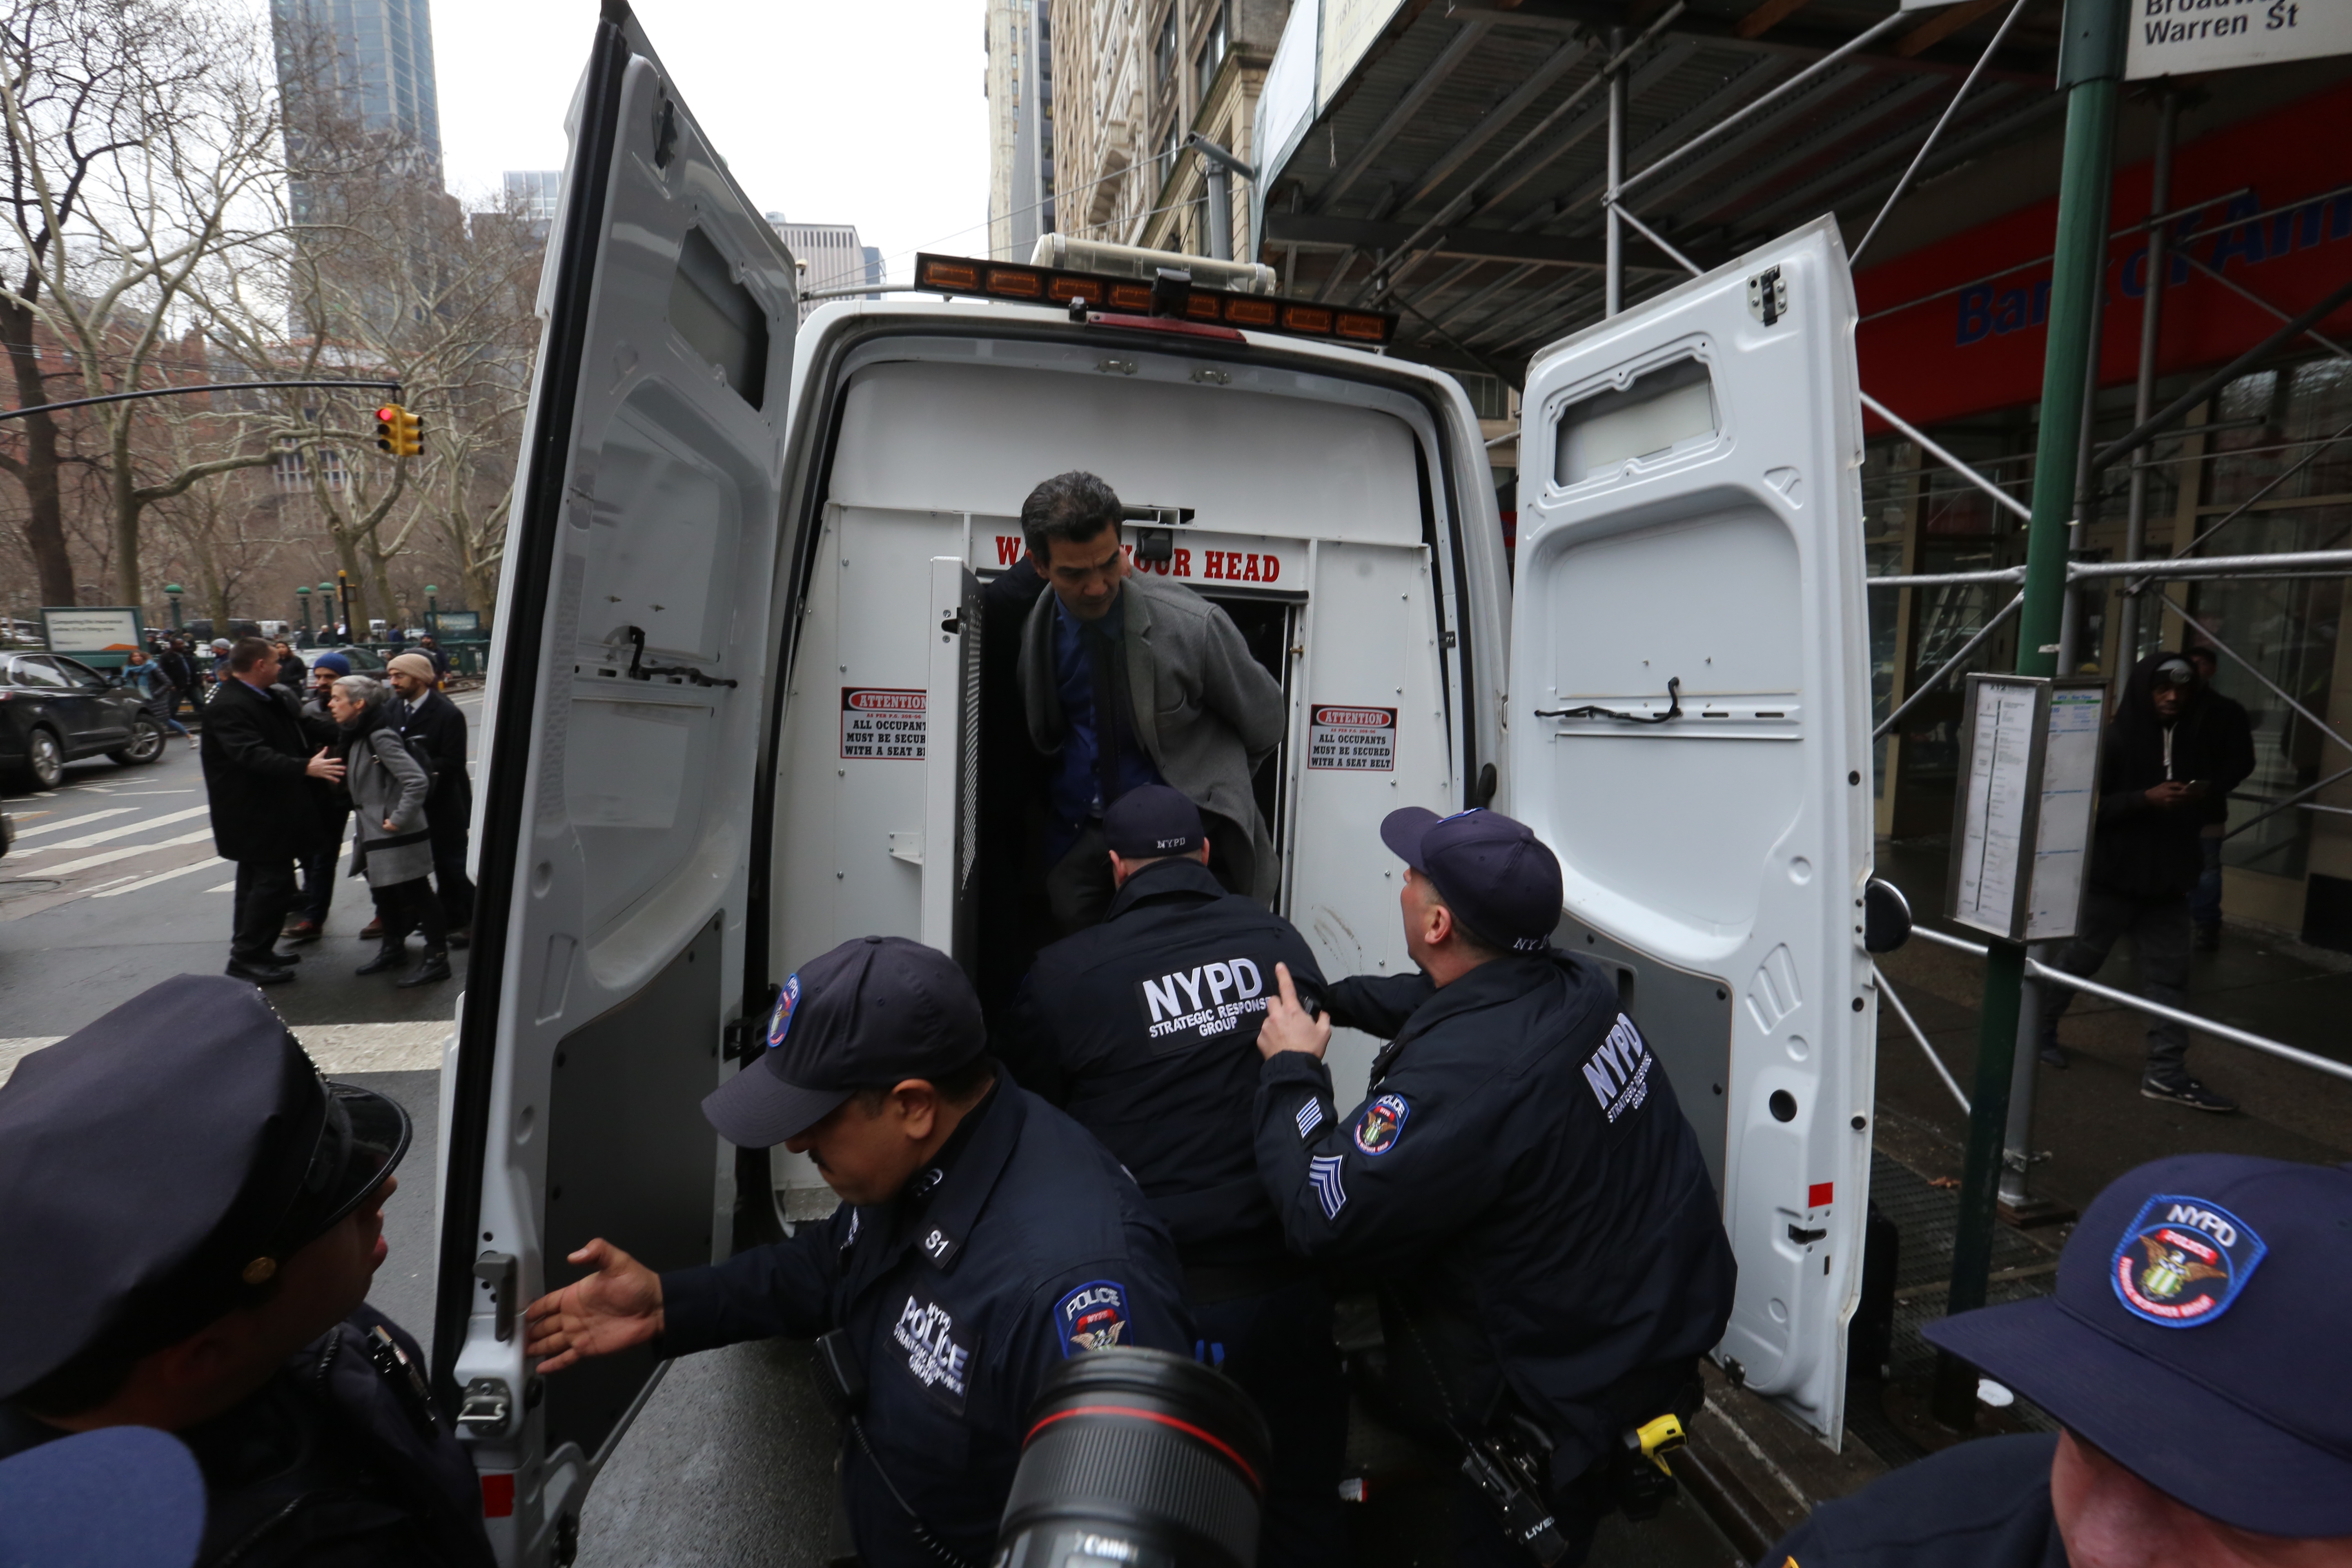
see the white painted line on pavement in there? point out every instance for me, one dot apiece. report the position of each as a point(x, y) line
point(163, 876)
point(117, 882)
point(335, 1048)
point(228, 887)
point(125, 831)
point(108, 856)
point(74, 822)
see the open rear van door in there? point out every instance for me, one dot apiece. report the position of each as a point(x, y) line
point(629, 690)
point(952, 754)
point(1689, 731)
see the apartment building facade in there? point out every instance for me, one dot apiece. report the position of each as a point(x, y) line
point(829, 254)
point(1019, 87)
point(1132, 79)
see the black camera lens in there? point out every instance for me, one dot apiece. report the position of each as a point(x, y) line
point(1137, 1458)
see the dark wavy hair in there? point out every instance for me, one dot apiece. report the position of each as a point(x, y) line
point(1073, 506)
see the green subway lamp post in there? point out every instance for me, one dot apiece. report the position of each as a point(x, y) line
point(171, 591)
point(432, 609)
point(302, 597)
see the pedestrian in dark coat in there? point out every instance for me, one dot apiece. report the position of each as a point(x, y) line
point(2165, 759)
point(391, 844)
point(258, 759)
point(2233, 734)
point(431, 723)
point(334, 802)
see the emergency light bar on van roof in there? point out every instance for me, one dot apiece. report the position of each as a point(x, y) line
point(1131, 296)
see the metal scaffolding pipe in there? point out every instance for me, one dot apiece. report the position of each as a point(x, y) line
point(1929, 146)
point(2247, 665)
point(1887, 989)
point(1949, 664)
point(2300, 797)
point(1913, 434)
point(2203, 1026)
point(2150, 429)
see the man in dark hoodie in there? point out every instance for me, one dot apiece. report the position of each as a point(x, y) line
point(2165, 758)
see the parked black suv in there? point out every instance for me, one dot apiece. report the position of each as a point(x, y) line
point(54, 709)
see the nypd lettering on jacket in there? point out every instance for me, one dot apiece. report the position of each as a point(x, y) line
point(1187, 1005)
point(935, 1357)
point(1619, 1072)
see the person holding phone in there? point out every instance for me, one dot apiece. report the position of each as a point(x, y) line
point(2165, 759)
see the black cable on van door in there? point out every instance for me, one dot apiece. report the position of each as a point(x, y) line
point(1594, 710)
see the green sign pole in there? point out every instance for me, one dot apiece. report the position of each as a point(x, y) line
point(2090, 69)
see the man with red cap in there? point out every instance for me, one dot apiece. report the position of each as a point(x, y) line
point(1521, 1183)
point(2194, 1357)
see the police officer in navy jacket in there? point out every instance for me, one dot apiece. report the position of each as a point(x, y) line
point(2194, 1355)
point(190, 1216)
point(983, 1237)
point(1520, 1182)
point(1145, 1028)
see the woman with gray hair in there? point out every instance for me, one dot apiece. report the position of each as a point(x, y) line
point(391, 844)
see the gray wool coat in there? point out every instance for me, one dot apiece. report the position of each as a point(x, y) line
point(385, 781)
point(1206, 714)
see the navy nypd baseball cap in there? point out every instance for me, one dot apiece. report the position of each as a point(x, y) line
point(159, 1164)
point(2196, 1338)
point(1493, 872)
point(870, 1014)
point(1153, 821)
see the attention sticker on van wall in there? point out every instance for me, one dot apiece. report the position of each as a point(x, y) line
point(1353, 739)
point(882, 723)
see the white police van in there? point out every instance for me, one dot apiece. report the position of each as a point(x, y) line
point(733, 705)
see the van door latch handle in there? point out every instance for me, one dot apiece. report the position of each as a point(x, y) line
point(486, 1407)
point(497, 1269)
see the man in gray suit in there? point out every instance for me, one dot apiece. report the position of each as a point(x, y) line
point(1186, 705)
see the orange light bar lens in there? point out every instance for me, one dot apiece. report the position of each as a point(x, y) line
point(950, 275)
point(1250, 312)
point(1132, 296)
point(1305, 319)
point(1023, 285)
point(1354, 324)
point(1062, 290)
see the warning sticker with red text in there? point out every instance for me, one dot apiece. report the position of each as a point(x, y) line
point(1353, 739)
point(884, 724)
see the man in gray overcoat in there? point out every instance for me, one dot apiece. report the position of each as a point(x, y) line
point(1129, 681)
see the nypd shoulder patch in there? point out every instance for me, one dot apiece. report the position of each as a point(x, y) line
point(1091, 1318)
point(1381, 1124)
point(2183, 1261)
point(1324, 1172)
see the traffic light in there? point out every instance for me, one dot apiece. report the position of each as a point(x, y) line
point(399, 432)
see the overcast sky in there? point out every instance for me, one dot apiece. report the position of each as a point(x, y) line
point(826, 112)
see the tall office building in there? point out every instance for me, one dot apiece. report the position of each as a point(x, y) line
point(369, 64)
point(1019, 87)
point(829, 254)
point(532, 195)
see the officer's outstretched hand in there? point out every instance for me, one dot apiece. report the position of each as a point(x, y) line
point(1288, 1027)
point(618, 1306)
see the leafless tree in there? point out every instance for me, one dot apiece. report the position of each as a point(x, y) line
point(121, 246)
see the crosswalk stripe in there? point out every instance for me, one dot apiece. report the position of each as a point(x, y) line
point(25, 833)
point(163, 877)
point(108, 856)
point(125, 831)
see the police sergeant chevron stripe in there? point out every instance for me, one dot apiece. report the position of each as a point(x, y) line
point(1324, 1172)
point(1310, 1117)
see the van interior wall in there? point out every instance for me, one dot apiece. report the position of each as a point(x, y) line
point(1306, 527)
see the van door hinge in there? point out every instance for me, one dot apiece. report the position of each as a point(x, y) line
point(1767, 296)
point(497, 1269)
point(745, 1035)
point(640, 670)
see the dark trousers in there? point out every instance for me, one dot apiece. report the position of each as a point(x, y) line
point(2205, 901)
point(2159, 932)
point(411, 906)
point(265, 891)
point(454, 887)
point(319, 874)
point(1278, 1346)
